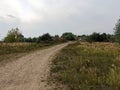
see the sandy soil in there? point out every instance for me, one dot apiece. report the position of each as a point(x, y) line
point(29, 72)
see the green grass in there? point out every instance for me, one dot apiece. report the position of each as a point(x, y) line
point(85, 66)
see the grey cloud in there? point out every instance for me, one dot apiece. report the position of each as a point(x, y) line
point(77, 16)
point(11, 16)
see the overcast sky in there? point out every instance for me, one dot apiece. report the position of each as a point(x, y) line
point(35, 17)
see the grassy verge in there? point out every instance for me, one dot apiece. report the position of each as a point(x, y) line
point(85, 66)
point(10, 51)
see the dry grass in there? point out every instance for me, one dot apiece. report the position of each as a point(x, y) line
point(85, 66)
point(11, 51)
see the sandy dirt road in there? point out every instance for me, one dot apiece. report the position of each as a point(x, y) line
point(29, 72)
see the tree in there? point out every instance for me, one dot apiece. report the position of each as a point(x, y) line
point(56, 38)
point(117, 31)
point(104, 37)
point(94, 37)
point(44, 38)
point(14, 35)
point(97, 37)
point(68, 36)
point(28, 39)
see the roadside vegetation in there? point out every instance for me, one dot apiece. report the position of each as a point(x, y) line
point(92, 63)
point(12, 51)
point(88, 66)
point(9, 48)
point(15, 44)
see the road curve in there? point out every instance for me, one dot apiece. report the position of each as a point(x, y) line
point(29, 72)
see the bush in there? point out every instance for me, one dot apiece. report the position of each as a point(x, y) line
point(68, 36)
point(117, 31)
point(97, 37)
point(14, 35)
point(45, 38)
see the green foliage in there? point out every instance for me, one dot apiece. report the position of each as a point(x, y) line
point(85, 66)
point(117, 31)
point(31, 40)
point(45, 38)
point(56, 37)
point(14, 35)
point(68, 36)
point(97, 37)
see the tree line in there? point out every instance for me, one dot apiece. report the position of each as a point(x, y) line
point(97, 37)
point(14, 35)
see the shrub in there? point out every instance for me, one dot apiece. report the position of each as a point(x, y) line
point(14, 35)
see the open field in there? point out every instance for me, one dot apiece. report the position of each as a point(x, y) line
point(88, 66)
point(11, 51)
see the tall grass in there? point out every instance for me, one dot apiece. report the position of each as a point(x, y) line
point(13, 50)
point(85, 66)
point(8, 48)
